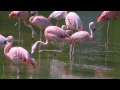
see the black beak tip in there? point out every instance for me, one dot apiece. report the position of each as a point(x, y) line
point(94, 29)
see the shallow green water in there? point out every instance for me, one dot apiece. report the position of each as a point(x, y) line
point(91, 60)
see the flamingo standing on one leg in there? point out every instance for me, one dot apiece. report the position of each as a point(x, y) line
point(52, 34)
point(58, 15)
point(17, 54)
point(107, 15)
point(82, 37)
point(23, 15)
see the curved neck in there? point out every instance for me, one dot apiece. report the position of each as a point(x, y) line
point(38, 43)
point(43, 43)
point(91, 32)
point(7, 48)
point(31, 28)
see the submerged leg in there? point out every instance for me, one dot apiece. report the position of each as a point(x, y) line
point(57, 24)
point(18, 69)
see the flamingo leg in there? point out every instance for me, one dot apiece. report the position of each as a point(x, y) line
point(19, 31)
point(70, 52)
point(107, 35)
point(106, 46)
point(40, 44)
point(73, 50)
point(57, 24)
point(18, 69)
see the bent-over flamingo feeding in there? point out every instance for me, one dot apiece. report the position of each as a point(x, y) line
point(17, 54)
point(52, 34)
point(40, 21)
point(58, 15)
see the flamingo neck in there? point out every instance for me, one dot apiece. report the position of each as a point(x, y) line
point(7, 48)
point(43, 43)
point(91, 32)
point(31, 28)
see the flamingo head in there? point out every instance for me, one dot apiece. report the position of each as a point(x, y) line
point(92, 26)
point(10, 39)
point(12, 14)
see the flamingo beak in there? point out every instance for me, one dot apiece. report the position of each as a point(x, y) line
point(94, 29)
point(49, 18)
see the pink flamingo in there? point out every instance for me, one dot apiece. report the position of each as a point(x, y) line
point(58, 15)
point(52, 34)
point(40, 21)
point(17, 54)
point(82, 37)
point(73, 21)
point(108, 15)
point(23, 15)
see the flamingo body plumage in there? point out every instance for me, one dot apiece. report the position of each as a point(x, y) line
point(73, 21)
point(17, 54)
point(52, 34)
point(58, 15)
point(83, 36)
point(40, 21)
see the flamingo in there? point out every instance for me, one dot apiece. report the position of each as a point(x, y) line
point(23, 15)
point(58, 15)
point(107, 16)
point(40, 21)
point(82, 37)
point(2, 41)
point(73, 21)
point(17, 54)
point(52, 34)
